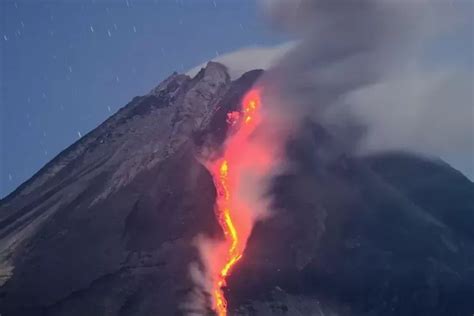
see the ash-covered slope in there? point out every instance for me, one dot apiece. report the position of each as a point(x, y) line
point(106, 228)
point(389, 234)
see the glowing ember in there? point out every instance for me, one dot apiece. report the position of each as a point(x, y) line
point(226, 174)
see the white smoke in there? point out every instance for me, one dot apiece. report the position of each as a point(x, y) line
point(249, 58)
point(426, 112)
point(366, 59)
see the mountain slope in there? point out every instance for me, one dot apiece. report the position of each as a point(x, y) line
point(107, 227)
point(121, 206)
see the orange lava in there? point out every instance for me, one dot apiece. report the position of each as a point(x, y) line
point(227, 177)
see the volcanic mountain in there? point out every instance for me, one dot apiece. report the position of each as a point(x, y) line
point(108, 226)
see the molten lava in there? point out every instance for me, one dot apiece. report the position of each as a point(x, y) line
point(228, 173)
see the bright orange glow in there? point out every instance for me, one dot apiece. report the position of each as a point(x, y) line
point(229, 210)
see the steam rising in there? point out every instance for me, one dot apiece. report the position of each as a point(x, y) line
point(345, 46)
point(357, 71)
point(382, 78)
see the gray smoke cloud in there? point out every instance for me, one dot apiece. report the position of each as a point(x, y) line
point(426, 112)
point(351, 67)
point(345, 45)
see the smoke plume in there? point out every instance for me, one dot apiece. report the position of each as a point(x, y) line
point(359, 71)
point(345, 46)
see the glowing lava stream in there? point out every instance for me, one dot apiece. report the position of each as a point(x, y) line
point(227, 177)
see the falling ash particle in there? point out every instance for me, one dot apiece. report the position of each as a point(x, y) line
point(134, 29)
point(10, 177)
point(79, 134)
point(109, 109)
point(108, 32)
point(5, 37)
point(92, 29)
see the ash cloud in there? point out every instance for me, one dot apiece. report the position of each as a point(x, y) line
point(426, 112)
point(357, 71)
point(345, 46)
point(364, 66)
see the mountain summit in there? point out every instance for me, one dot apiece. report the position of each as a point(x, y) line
point(108, 226)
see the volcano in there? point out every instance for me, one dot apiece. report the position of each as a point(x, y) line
point(108, 226)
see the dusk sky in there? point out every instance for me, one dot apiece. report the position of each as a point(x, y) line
point(68, 65)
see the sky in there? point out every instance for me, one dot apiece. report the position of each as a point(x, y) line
point(67, 65)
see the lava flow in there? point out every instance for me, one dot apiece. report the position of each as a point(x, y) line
point(229, 174)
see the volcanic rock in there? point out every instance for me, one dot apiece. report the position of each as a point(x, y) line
point(108, 226)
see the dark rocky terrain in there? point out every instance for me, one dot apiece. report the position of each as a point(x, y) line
point(106, 227)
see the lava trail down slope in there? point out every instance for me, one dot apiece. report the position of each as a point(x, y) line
point(108, 227)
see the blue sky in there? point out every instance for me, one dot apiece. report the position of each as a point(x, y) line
point(68, 65)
